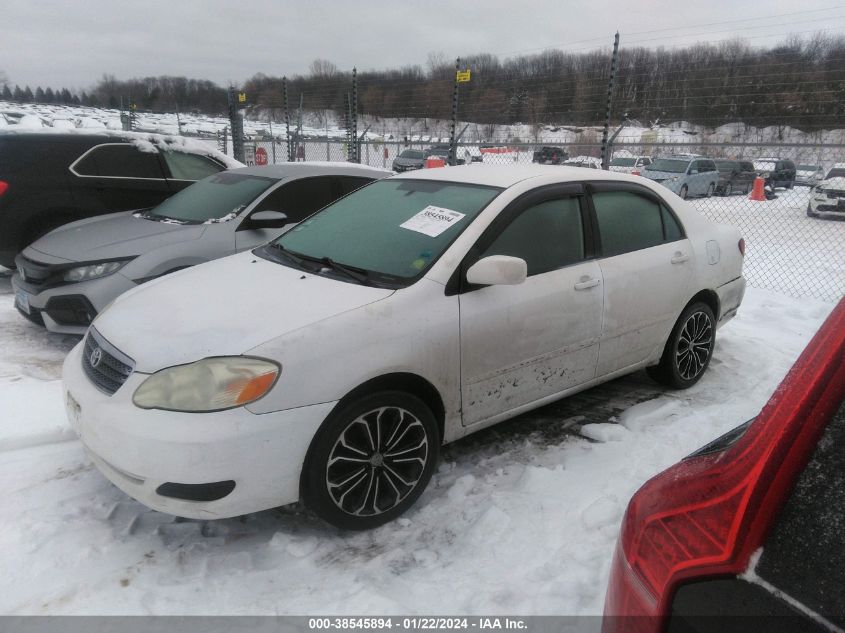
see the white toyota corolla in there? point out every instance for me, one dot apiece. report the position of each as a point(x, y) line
point(332, 364)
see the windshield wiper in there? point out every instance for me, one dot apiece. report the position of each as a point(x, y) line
point(357, 274)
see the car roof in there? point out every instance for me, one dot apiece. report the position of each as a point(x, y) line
point(314, 168)
point(509, 175)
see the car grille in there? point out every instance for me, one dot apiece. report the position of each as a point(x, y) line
point(105, 366)
point(835, 193)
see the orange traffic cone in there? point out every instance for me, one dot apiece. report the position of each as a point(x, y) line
point(757, 192)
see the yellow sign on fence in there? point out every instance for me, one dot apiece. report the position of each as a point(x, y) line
point(463, 75)
point(242, 97)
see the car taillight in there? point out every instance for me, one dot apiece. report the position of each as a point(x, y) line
point(706, 515)
point(741, 245)
point(4, 186)
point(635, 173)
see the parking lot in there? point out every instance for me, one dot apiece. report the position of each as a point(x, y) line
point(521, 518)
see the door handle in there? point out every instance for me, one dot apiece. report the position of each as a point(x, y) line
point(680, 258)
point(587, 283)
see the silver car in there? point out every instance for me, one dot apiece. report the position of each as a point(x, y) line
point(686, 176)
point(67, 277)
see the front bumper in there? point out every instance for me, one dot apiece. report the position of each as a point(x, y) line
point(824, 207)
point(69, 308)
point(140, 450)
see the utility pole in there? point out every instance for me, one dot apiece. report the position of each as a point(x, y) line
point(287, 115)
point(453, 125)
point(605, 158)
point(236, 123)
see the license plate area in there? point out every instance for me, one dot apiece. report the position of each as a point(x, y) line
point(22, 300)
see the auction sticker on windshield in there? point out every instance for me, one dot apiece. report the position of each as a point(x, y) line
point(432, 221)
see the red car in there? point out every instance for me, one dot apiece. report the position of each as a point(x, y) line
point(748, 533)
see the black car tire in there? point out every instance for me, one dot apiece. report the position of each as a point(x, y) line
point(728, 189)
point(710, 189)
point(689, 349)
point(684, 192)
point(356, 457)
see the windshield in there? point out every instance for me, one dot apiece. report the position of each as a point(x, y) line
point(672, 165)
point(623, 162)
point(764, 165)
point(213, 198)
point(412, 153)
point(393, 228)
point(808, 167)
point(835, 173)
point(726, 165)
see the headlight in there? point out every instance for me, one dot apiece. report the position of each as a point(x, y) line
point(211, 384)
point(93, 271)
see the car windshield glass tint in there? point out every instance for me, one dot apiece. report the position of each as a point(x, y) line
point(411, 153)
point(622, 162)
point(807, 167)
point(217, 197)
point(726, 165)
point(395, 227)
point(671, 165)
point(836, 173)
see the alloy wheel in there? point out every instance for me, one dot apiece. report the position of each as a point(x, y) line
point(694, 345)
point(377, 461)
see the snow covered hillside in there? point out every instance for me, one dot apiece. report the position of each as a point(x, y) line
point(520, 518)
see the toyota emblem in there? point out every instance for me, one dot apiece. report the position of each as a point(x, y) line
point(96, 357)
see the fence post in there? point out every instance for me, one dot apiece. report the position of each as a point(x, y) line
point(354, 154)
point(605, 159)
point(236, 124)
point(287, 115)
point(453, 125)
point(272, 137)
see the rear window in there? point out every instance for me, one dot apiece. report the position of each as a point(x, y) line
point(726, 165)
point(412, 153)
point(671, 165)
point(622, 162)
point(190, 167)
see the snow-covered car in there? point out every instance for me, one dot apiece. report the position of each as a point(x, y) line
point(809, 175)
point(66, 277)
point(629, 164)
point(684, 176)
point(331, 364)
point(827, 199)
point(748, 529)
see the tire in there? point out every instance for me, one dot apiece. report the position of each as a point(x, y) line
point(791, 184)
point(358, 473)
point(728, 190)
point(710, 190)
point(748, 187)
point(682, 369)
point(684, 192)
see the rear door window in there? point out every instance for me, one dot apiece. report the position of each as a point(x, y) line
point(118, 160)
point(627, 222)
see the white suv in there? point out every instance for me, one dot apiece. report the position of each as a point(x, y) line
point(827, 199)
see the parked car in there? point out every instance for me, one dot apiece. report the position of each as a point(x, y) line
point(809, 175)
point(50, 179)
point(735, 176)
point(629, 164)
point(550, 155)
point(409, 160)
point(252, 381)
point(66, 277)
point(746, 533)
point(583, 161)
point(684, 176)
point(777, 172)
point(827, 199)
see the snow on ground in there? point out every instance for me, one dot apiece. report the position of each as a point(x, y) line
point(520, 518)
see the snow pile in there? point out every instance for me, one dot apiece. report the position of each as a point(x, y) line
point(520, 518)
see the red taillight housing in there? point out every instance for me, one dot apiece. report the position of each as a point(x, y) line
point(635, 173)
point(4, 186)
point(741, 246)
point(706, 515)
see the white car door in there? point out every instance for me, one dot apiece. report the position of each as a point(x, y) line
point(647, 266)
point(526, 342)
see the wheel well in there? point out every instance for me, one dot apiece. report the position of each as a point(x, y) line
point(409, 383)
point(708, 297)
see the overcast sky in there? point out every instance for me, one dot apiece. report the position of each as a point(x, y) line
point(60, 43)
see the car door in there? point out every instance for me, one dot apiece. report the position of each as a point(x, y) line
point(695, 179)
point(646, 265)
point(295, 198)
point(118, 176)
point(523, 343)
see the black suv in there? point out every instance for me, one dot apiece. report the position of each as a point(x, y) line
point(777, 172)
point(47, 180)
point(550, 155)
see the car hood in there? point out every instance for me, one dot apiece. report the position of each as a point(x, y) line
point(224, 307)
point(837, 183)
point(111, 237)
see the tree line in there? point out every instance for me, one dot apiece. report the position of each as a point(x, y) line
point(799, 82)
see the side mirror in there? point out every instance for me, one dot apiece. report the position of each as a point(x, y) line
point(264, 220)
point(498, 270)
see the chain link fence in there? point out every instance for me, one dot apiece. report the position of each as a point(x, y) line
point(794, 243)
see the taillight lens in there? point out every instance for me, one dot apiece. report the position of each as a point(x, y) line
point(706, 515)
point(635, 173)
point(4, 186)
point(741, 246)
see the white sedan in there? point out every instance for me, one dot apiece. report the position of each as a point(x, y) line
point(331, 365)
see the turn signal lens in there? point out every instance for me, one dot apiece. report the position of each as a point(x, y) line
point(211, 384)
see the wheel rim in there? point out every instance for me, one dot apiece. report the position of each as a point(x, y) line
point(377, 461)
point(694, 344)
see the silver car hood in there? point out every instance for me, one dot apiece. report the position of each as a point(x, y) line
point(109, 237)
point(224, 307)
